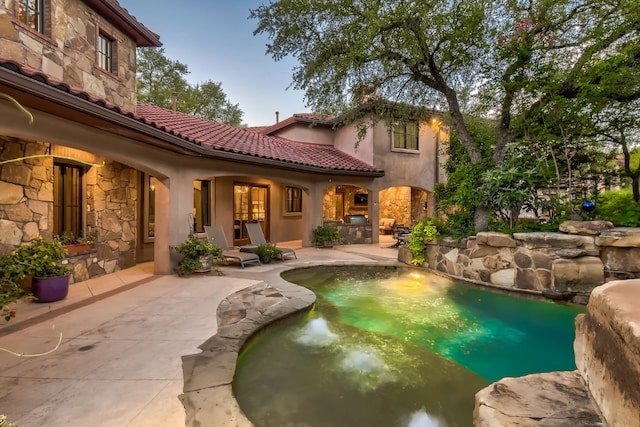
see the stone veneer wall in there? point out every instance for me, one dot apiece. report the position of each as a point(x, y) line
point(67, 50)
point(26, 207)
point(559, 265)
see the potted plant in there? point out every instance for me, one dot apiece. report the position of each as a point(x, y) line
point(326, 236)
point(267, 251)
point(198, 255)
point(74, 244)
point(41, 260)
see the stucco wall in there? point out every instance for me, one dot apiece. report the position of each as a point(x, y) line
point(67, 50)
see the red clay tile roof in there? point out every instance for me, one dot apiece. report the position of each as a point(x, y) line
point(222, 137)
point(214, 136)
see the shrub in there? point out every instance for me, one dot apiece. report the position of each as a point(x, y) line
point(421, 233)
point(619, 208)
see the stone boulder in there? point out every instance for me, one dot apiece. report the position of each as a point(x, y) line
point(621, 237)
point(554, 240)
point(498, 240)
point(585, 228)
point(607, 348)
point(578, 274)
point(553, 399)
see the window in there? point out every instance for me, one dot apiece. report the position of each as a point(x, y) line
point(201, 205)
point(31, 13)
point(106, 53)
point(293, 201)
point(405, 135)
point(67, 199)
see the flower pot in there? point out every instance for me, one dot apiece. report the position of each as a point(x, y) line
point(205, 264)
point(265, 259)
point(78, 247)
point(48, 289)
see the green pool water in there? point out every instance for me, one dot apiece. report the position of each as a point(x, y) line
point(395, 347)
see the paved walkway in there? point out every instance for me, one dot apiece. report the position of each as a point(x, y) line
point(119, 340)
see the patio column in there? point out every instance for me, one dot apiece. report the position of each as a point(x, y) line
point(174, 203)
point(313, 212)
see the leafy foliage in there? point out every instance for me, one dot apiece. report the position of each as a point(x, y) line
point(194, 250)
point(421, 233)
point(39, 258)
point(521, 63)
point(326, 234)
point(159, 77)
point(619, 208)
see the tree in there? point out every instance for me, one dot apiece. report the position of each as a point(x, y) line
point(160, 77)
point(506, 58)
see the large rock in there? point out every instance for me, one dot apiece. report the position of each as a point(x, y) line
point(607, 348)
point(555, 399)
point(555, 240)
point(498, 240)
point(623, 237)
point(586, 228)
point(621, 259)
point(10, 194)
point(579, 274)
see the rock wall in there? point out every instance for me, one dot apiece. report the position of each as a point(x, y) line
point(558, 265)
point(66, 49)
point(26, 206)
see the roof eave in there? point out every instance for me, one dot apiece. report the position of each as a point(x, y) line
point(33, 87)
point(120, 17)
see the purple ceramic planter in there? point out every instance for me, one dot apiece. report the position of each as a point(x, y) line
point(48, 289)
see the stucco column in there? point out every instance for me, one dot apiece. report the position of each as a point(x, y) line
point(374, 214)
point(312, 204)
point(174, 203)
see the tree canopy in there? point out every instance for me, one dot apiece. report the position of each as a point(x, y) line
point(160, 77)
point(515, 61)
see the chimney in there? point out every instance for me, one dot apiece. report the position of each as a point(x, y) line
point(277, 117)
point(174, 101)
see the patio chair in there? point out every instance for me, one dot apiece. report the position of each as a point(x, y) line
point(257, 238)
point(215, 234)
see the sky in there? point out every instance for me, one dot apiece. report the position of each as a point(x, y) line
point(214, 38)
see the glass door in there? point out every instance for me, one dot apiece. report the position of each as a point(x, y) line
point(250, 204)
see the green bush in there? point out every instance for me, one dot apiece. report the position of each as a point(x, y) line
point(326, 234)
point(619, 208)
point(421, 233)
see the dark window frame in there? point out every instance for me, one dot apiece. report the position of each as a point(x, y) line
point(24, 14)
point(292, 200)
point(107, 53)
point(68, 190)
point(406, 135)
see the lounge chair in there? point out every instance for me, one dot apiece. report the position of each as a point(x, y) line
point(215, 235)
point(257, 238)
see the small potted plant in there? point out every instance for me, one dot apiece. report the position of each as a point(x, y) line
point(267, 251)
point(41, 260)
point(198, 255)
point(74, 244)
point(325, 236)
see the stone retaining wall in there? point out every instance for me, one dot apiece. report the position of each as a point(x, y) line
point(560, 265)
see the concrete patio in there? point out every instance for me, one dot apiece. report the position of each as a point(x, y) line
point(122, 338)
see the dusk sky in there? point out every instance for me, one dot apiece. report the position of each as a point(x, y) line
point(214, 38)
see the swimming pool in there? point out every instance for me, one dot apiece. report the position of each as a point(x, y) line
point(395, 347)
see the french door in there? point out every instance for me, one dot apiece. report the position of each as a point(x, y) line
point(250, 204)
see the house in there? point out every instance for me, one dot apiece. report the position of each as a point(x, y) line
point(87, 158)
